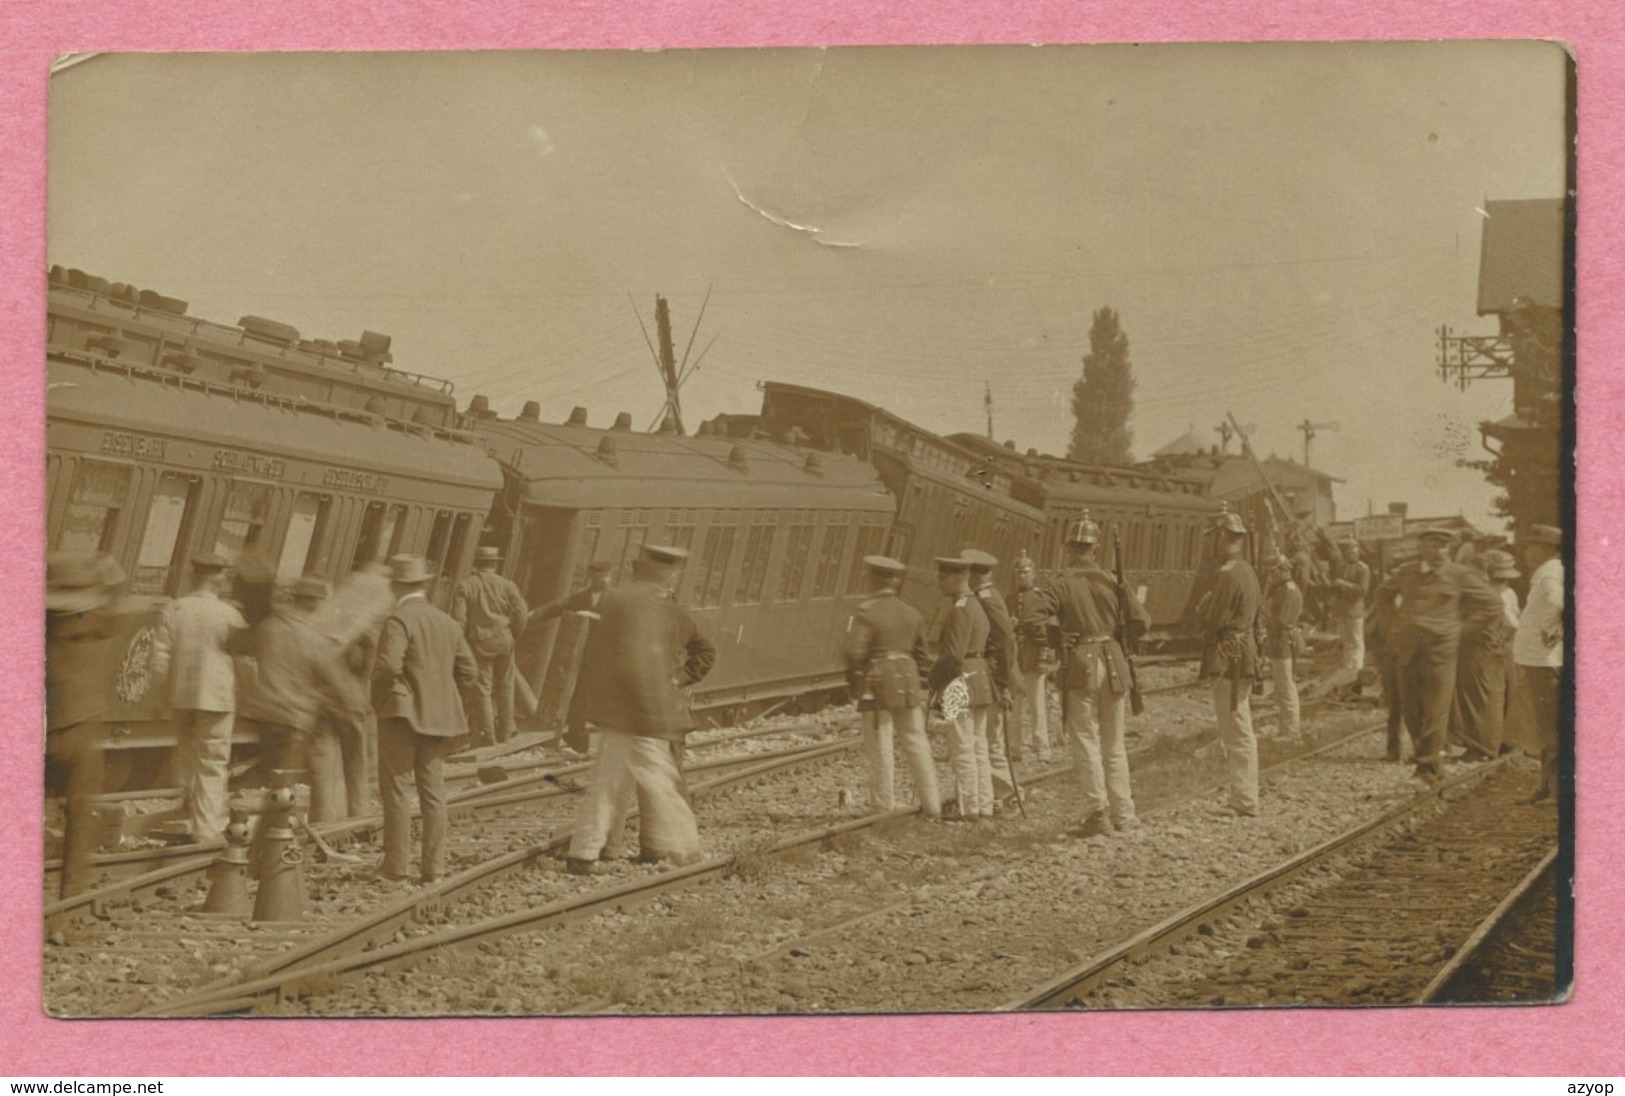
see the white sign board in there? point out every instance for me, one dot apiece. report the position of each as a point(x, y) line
point(1380, 527)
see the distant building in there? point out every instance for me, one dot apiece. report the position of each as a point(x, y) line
point(1307, 492)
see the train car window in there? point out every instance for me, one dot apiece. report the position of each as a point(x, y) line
point(585, 552)
point(439, 541)
point(631, 546)
point(172, 502)
point(462, 531)
point(1133, 545)
point(100, 493)
point(1159, 545)
point(242, 523)
point(898, 545)
point(868, 544)
point(391, 533)
point(301, 542)
point(719, 546)
point(830, 554)
point(368, 541)
point(794, 571)
point(753, 569)
point(679, 530)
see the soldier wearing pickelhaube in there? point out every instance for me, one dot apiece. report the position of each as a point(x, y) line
point(1227, 615)
point(1001, 659)
point(885, 652)
point(1037, 635)
point(1095, 676)
point(961, 684)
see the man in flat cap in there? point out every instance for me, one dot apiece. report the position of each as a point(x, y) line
point(1001, 659)
point(885, 651)
point(492, 612)
point(1436, 602)
point(961, 681)
point(1095, 676)
point(582, 604)
point(1228, 616)
point(644, 652)
point(1537, 655)
point(423, 662)
point(189, 647)
point(1478, 715)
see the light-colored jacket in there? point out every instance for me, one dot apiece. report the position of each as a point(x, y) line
point(190, 649)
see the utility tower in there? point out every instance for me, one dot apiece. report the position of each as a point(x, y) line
point(1309, 430)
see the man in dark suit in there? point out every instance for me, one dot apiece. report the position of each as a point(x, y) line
point(422, 660)
point(644, 651)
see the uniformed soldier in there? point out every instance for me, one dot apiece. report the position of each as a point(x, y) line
point(885, 652)
point(1095, 676)
point(961, 684)
point(1228, 614)
point(1001, 658)
point(1037, 636)
point(1283, 605)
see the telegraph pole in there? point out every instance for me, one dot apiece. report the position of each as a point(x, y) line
point(1308, 429)
point(987, 401)
point(668, 363)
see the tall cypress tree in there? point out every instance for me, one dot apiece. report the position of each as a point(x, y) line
point(1103, 398)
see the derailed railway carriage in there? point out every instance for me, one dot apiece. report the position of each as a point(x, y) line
point(776, 538)
point(153, 459)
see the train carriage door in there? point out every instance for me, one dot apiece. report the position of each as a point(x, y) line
point(163, 543)
point(243, 520)
point(548, 655)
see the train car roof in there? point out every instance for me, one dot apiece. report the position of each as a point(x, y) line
point(148, 401)
point(580, 467)
point(1064, 493)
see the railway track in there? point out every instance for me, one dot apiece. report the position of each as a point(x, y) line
point(1511, 956)
point(1378, 915)
point(149, 933)
point(472, 779)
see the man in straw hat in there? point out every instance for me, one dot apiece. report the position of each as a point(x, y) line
point(885, 651)
point(422, 661)
point(1436, 603)
point(190, 648)
point(643, 653)
point(492, 612)
point(1095, 680)
point(80, 600)
point(1537, 655)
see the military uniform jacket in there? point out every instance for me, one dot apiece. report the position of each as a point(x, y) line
point(1228, 615)
point(1434, 606)
point(959, 640)
point(1084, 601)
point(491, 610)
point(1283, 605)
point(641, 655)
point(422, 659)
point(885, 648)
point(1036, 628)
point(1001, 639)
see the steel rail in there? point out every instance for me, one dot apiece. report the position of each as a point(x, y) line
point(1469, 950)
point(358, 934)
point(170, 865)
point(1081, 978)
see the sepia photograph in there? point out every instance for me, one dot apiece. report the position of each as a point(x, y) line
point(916, 529)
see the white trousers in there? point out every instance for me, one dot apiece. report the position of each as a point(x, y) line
point(998, 762)
point(628, 764)
point(909, 725)
point(1034, 708)
point(968, 760)
point(1286, 697)
point(202, 764)
point(1093, 719)
point(1351, 630)
point(1240, 747)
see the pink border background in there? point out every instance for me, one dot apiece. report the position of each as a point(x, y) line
point(1580, 1038)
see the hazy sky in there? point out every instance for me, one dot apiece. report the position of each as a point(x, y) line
point(1281, 227)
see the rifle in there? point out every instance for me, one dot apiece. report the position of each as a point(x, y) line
point(1136, 702)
